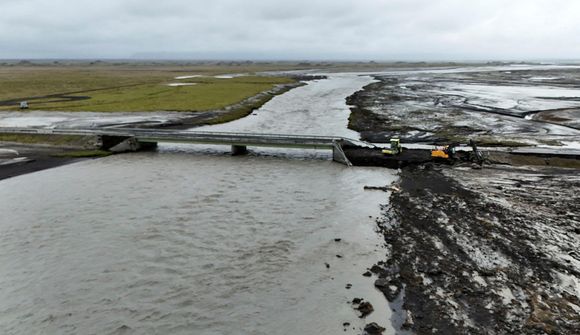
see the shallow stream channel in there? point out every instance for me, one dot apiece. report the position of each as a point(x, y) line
point(190, 240)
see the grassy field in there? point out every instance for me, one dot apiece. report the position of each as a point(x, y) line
point(131, 88)
point(83, 154)
point(51, 139)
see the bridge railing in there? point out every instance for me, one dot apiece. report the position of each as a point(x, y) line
point(233, 134)
point(166, 133)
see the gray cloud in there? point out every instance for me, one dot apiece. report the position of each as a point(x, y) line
point(323, 29)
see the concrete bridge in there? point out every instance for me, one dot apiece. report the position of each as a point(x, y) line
point(125, 139)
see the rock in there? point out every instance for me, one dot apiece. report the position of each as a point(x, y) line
point(392, 271)
point(327, 265)
point(348, 286)
point(389, 288)
point(338, 256)
point(434, 270)
point(337, 239)
point(381, 283)
point(365, 308)
point(408, 321)
point(346, 324)
point(357, 301)
point(374, 329)
point(376, 269)
point(367, 274)
point(378, 188)
point(395, 189)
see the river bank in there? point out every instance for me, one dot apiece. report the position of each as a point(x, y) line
point(230, 113)
point(34, 158)
point(486, 251)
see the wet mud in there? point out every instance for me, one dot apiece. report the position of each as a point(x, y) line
point(569, 117)
point(477, 249)
point(515, 107)
point(484, 251)
point(34, 159)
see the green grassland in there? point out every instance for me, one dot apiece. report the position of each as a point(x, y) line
point(130, 88)
point(50, 139)
point(83, 154)
point(206, 94)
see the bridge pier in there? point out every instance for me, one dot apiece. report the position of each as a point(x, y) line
point(124, 144)
point(106, 142)
point(238, 150)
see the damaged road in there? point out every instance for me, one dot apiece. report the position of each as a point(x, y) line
point(490, 251)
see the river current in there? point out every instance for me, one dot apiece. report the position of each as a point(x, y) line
point(189, 240)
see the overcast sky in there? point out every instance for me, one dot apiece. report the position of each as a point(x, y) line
point(291, 29)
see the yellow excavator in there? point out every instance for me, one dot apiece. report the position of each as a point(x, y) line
point(440, 153)
point(445, 152)
point(448, 152)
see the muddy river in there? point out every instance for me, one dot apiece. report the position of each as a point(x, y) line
point(316, 109)
point(189, 240)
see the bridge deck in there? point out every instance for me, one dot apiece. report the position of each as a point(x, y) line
point(204, 137)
